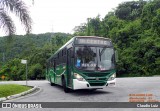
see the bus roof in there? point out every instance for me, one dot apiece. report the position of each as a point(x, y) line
point(91, 37)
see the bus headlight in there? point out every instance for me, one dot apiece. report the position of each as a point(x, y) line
point(112, 77)
point(79, 77)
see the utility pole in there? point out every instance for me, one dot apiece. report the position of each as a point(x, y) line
point(26, 73)
point(25, 62)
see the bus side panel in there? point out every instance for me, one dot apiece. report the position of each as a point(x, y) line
point(51, 75)
point(60, 70)
point(58, 74)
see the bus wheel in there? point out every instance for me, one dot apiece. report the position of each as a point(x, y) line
point(52, 84)
point(66, 90)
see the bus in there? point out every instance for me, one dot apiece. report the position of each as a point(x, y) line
point(84, 62)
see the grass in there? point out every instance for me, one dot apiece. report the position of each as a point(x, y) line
point(10, 89)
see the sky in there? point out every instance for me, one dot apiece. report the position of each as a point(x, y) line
point(63, 15)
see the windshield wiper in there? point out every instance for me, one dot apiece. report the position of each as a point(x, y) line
point(104, 48)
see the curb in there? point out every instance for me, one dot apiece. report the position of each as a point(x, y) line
point(18, 95)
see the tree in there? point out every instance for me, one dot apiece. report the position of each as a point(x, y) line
point(17, 7)
point(94, 26)
point(130, 10)
point(80, 30)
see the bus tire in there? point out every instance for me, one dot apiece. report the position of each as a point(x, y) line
point(66, 90)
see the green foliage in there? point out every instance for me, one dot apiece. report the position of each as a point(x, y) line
point(156, 22)
point(94, 26)
point(130, 10)
point(36, 72)
point(36, 49)
point(150, 14)
point(80, 30)
point(135, 32)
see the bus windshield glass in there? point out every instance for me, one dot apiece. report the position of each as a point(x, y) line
point(94, 58)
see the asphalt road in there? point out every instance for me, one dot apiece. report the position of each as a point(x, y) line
point(120, 93)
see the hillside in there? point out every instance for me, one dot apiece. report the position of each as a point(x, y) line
point(34, 48)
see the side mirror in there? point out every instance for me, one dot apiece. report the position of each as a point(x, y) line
point(116, 55)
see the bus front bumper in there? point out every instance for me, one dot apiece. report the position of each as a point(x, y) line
point(85, 85)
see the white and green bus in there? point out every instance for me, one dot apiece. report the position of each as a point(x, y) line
point(84, 62)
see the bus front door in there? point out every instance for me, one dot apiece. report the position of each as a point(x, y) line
point(69, 67)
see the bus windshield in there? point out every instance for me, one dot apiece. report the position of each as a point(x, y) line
point(94, 58)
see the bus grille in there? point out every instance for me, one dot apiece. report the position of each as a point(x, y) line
point(96, 74)
point(94, 78)
point(97, 84)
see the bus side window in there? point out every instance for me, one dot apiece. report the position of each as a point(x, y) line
point(60, 60)
point(64, 51)
point(71, 53)
point(57, 59)
point(52, 63)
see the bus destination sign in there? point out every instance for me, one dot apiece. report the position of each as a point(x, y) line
point(93, 41)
